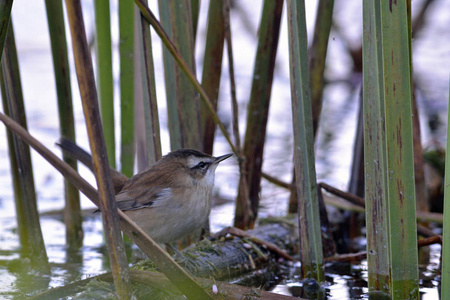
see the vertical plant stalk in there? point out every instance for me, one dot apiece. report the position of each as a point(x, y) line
point(243, 206)
point(258, 110)
point(445, 281)
point(105, 75)
point(153, 136)
point(169, 74)
point(212, 70)
point(396, 38)
point(318, 53)
point(419, 176)
point(182, 98)
point(305, 173)
point(126, 53)
point(29, 228)
point(5, 16)
point(226, 6)
point(377, 215)
point(72, 210)
point(356, 183)
point(139, 94)
point(195, 8)
point(86, 82)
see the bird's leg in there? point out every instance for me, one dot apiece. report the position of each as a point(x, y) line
point(173, 251)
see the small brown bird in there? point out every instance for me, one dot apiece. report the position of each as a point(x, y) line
point(168, 200)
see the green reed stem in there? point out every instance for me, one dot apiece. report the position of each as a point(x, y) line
point(377, 222)
point(72, 210)
point(105, 75)
point(212, 70)
point(152, 131)
point(30, 233)
point(126, 53)
point(182, 98)
point(305, 173)
point(5, 16)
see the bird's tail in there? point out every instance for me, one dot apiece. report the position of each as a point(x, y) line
point(76, 152)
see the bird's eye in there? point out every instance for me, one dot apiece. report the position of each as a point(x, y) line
point(202, 165)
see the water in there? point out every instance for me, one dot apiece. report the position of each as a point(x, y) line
point(333, 152)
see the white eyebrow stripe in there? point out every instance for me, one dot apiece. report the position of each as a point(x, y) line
point(194, 161)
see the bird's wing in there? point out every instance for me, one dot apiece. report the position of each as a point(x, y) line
point(137, 199)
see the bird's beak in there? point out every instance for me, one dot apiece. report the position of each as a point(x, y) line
point(223, 157)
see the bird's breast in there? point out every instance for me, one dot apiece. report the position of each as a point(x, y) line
point(187, 210)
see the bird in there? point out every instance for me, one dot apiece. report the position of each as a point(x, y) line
point(168, 200)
